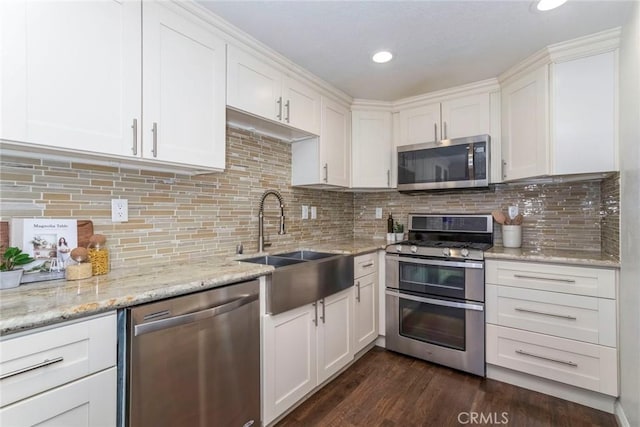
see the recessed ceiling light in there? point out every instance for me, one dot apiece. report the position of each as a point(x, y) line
point(544, 5)
point(382, 57)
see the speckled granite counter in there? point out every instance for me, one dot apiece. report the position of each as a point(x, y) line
point(573, 257)
point(39, 304)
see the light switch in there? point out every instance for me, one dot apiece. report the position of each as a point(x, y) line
point(314, 213)
point(378, 213)
point(305, 212)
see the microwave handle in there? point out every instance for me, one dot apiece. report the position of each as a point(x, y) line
point(470, 152)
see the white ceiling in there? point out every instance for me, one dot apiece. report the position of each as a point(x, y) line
point(436, 44)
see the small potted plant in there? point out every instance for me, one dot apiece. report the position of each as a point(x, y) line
point(10, 275)
point(399, 230)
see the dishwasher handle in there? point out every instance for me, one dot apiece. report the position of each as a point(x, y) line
point(184, 319)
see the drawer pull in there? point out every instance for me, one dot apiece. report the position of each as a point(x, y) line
point(564, 362)
point(562, 316)
point(46, 362)
point(524, 276)
point(367, 265)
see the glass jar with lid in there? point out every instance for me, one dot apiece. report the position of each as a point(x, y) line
point(98, 254)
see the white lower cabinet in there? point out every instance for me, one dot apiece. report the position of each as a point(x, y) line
point(90, 401)
point(554, 322)
point(365, 301)
point(63, 375)
point(304, 347)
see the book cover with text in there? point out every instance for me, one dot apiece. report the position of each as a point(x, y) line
point(45, 240)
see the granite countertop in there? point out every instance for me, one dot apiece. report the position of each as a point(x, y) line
point(43, 303)
point(557, 256)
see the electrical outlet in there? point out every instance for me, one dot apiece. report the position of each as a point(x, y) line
point(305, 212)
point(314, 212)
point(378, 213)
point(119, 210)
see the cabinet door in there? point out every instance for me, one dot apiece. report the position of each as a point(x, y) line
point(289, 363)
point(365, 319)
point(525, 139)
point(418, 125)
point(466, 116)
point(301, 106)
point(371, 147)
point(184, 88)
point(90, 401)
point(335, 349)
point(335, 143)
point(253, 86)
point(71, 74)
point(583, 124)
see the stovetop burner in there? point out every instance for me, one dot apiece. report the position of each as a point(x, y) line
point(448, 236)
point(444, 244)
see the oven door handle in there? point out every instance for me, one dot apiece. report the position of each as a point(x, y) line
point(444, 303)
point(478, 265)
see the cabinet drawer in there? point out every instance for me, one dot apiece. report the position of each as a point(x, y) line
point(90, 401)
point(44, 359)
point(580, 364)
point(596, 282)
point(576, 317)
point(365, 264)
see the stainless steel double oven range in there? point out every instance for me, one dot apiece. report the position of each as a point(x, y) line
point(435, 290)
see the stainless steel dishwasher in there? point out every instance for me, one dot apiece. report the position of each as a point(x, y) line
point(194, 360)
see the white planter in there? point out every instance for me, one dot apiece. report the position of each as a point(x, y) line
point(10, 279)
point(511, 236)
point(399, 237)
point(391, 237)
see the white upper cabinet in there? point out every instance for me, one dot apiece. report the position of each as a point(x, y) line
point(257, 88)
point(466, 116)
point(184, 89)
point(583, 120)
point(559, 115)
point(325, 161)
point(335, 143)
point(524, 118)
point(371, 149)
point(73, 80)
point(71, 74)
point(452, 118)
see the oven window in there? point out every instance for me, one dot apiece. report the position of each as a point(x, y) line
point(434, 324)
point(432, 279)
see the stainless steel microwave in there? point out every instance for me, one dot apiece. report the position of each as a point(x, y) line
point(450, 163)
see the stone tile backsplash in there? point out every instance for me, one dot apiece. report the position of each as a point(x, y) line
point(582, 215)
point(174, 218)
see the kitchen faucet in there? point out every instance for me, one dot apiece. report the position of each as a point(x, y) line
point(261, 243)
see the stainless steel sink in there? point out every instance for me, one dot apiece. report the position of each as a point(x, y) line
point(306, 255)
point(275, 261)
point(303, 277)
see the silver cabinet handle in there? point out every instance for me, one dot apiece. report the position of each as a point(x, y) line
point(154, 130)
point(440, 302)
point(562, 316)
point(524, 276)
point(279, 102)
point(323, 315)
point(367, 265)
point(388, 178)
point(315, 317)
point(42, 364)
point(287, 105)
point(358, 294)
point(184, 319)
point(326, 172)
point(134, 148)
point(504, 169)
point(444, 129)
point(435, 132)
point(537, 356)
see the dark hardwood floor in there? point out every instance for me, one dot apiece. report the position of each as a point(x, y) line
point(388, 389)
